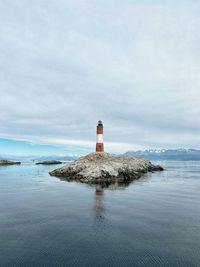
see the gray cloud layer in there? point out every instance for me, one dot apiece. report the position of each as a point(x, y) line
point(133, 64)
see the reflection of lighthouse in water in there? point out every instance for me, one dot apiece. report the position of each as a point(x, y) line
point(99, 204)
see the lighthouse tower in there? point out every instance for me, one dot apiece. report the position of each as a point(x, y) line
point(99, 143)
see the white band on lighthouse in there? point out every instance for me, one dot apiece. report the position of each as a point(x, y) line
point(99, 138)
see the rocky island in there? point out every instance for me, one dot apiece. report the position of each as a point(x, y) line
point(102, 167)
point(48, 162)
point(8, 162)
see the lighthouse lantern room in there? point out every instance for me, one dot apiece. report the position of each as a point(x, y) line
point(99, 143)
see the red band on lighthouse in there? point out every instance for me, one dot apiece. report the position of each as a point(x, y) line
point(99, 143)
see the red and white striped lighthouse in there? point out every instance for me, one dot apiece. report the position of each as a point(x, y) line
point(99, 143)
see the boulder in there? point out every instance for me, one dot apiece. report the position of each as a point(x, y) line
point(101, 167)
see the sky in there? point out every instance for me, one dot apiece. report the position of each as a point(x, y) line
point(65, 64)
point(24, 149)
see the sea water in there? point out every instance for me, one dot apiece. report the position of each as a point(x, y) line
point(153, 221)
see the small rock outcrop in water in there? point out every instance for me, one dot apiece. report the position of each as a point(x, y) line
point(8, 162)
point(101, 167)
point(48, 162)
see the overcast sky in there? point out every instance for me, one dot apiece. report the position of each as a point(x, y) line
point(135, 64)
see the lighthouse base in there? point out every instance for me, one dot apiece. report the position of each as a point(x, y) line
point(99, 147)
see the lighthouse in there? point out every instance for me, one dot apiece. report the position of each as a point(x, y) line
point(99, 143)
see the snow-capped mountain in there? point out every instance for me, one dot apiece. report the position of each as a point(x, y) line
point(167, 154)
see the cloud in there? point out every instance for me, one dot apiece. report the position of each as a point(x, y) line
point(133, 64)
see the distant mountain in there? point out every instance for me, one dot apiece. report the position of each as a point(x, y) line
point(166, 154)
point(35, 158)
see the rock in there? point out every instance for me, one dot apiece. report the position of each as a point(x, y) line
point(48, 162)
point(8, 162)
point(101, 167)
point(158, 168)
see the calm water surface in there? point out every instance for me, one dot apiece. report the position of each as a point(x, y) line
point(154, 221)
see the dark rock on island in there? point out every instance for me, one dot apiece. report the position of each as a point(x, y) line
point(101, 167)
point(48, 162)
point(8, 162)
